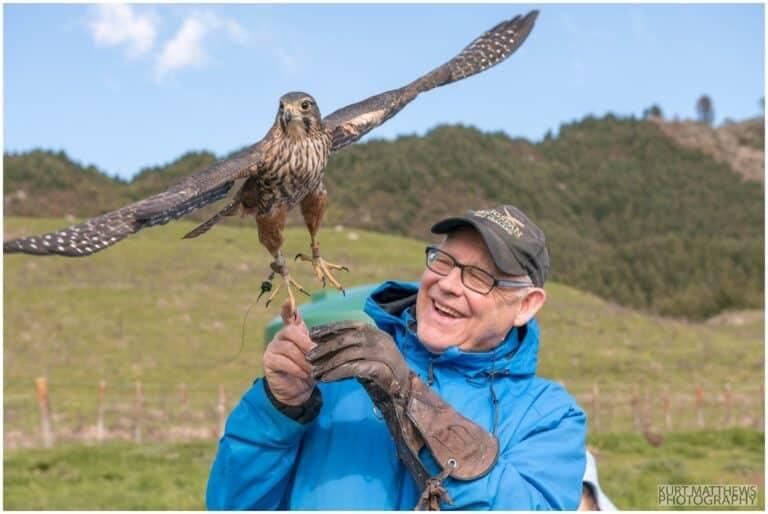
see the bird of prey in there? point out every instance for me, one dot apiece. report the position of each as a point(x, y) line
point(279, 172)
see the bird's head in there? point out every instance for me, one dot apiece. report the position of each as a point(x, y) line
point(298, 114)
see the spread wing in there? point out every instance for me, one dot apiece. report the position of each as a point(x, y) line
point(191, 193)
point(350, 123)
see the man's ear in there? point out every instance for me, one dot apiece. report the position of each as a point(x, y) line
point(530, 305)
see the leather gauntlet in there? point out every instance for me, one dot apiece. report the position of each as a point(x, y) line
point(416, 416)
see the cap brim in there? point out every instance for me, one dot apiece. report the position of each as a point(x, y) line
point(500, 252)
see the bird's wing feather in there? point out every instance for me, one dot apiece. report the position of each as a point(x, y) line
point(350, 123)
point(191, 193)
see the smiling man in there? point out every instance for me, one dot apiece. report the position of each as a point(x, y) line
point(455, 355)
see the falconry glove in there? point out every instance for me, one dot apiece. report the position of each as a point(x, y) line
point(415, 415)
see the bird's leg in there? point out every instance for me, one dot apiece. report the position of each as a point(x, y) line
point(313, 208)
point(271, 228)
point(278, 267)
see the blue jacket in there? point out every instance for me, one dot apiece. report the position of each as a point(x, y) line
point(345, 458)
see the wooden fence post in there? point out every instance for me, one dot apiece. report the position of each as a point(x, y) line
point(41, 392)
point(667, 408)
point(699, 406)
point(635, 405)
point(138, 412)
point(221, 408)
point(100, 412)
point(595, 407)
point(728, 407)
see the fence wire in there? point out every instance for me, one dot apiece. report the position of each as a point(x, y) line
point(154, 412)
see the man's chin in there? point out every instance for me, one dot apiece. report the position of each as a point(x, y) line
point(434, 341)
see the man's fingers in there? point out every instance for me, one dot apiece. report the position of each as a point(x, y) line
point(340, 342)
point(288, 314)
point(285, 364)
point(346, 370)
point(291, 317)
point(327, 331)
point(297, 335)
point(297, 355)
point(309, 382)
point(324, 360)
point(291, 350)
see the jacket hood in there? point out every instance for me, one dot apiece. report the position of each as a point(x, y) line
point(390, 306)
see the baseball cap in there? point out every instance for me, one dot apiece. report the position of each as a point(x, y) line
point(516, 244)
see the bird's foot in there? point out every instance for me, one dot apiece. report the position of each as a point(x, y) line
point(323, 269)
point(288, 282)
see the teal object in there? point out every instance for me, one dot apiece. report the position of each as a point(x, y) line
point(329, 305)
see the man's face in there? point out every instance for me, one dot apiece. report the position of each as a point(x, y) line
point(448, 314)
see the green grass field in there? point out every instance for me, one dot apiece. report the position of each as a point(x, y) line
point(131, 477)
point(163, 311)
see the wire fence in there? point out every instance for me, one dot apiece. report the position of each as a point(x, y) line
point(50, 414)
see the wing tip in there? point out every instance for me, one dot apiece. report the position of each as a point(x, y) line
point(530, 19)
point(10, 247)
point(23, 246)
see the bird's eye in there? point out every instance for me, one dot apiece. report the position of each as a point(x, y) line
point(281, 106)
point(305, 104)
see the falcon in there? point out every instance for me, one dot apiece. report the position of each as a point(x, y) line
point(279, 172)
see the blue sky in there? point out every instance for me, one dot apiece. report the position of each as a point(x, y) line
point(125, 87)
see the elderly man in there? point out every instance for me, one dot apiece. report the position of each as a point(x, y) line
point(455, 365)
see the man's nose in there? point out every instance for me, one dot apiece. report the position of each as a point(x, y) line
point(452, 282)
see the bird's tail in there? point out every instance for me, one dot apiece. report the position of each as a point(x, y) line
point(228, 210)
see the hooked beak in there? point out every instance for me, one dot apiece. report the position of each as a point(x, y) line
point(287, 116)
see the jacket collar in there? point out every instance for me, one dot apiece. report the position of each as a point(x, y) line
point(391, 307)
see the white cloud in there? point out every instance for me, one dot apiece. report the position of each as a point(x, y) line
point(119, 24)
point(186, 49)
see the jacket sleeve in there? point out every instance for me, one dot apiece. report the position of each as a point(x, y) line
point(254, 463)
point(544, 470)
point(541, 470)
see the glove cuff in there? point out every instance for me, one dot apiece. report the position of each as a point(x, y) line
point(454, 441)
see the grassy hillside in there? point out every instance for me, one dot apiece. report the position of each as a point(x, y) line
point(631, 215)
point(173, 477)
point(50, 184)
point(165, 311)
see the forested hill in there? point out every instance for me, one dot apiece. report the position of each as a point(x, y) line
point(630, 214)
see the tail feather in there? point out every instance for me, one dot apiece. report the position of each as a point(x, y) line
point(204, 227)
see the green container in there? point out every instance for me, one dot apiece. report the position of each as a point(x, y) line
point(329, 305)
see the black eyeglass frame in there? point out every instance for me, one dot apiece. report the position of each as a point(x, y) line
point(497, 282)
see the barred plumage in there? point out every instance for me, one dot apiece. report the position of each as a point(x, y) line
point(282, 170)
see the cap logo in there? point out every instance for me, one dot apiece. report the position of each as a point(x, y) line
point(505, 220)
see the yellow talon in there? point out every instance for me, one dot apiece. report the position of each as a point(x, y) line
point(323, 269)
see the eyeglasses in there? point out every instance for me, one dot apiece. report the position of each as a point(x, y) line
point(473, 278)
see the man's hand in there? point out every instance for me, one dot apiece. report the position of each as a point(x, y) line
point(286, 369)
point(415, 414)
point(356, 349)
